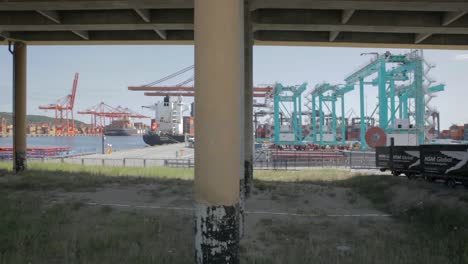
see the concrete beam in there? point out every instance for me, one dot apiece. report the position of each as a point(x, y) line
point(120, 16)
point(334, 35)
point(389, 5)
point(361, 17)
point(257, 27)
point(96, 27)
point(51, 15)
point(434, 5)
point(361, 28)
point(82, 34)
point(421, 37)
point(360, 39)
point(5, 34)
point(104, 37)
point(15, 5)
point(161, 33)
point(346, 15)
point(450, 17)
point(144, 14)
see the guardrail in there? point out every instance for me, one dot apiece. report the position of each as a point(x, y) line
point(268, 160)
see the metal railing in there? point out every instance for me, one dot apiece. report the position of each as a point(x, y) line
point(125, 162)
point(356, 159)
point(266, 159)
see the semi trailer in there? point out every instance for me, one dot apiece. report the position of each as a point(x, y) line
point(445, 162)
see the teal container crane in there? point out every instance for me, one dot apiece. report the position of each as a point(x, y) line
point(377, 66)
point(404, 68)
point(340, 93)
point(291, 133)
point(328, 93)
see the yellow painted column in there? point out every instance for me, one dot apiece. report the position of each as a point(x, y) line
point(19, 106)
point(219, 100)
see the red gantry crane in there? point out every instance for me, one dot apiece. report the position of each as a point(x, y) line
point(103, 114)
point(64, 123)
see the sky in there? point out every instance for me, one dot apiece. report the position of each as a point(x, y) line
point(106, 71)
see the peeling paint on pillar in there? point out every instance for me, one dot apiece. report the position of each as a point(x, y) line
point(216, 234)
point(20, 161)
point(242, 208)
point(248, 178)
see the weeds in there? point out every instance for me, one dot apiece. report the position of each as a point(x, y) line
point(32, 231)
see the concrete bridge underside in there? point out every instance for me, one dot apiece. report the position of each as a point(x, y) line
point(284, 22)
point(223, 32)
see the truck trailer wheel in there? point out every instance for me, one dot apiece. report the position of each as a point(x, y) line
point(451, 183)
point(429, 178)
point(410, 175)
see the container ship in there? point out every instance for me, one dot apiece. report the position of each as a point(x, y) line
point(121, 127)
point(169, 125)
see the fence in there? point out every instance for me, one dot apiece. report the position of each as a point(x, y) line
point(126, 162)
point(275, 159)
point(264, 159)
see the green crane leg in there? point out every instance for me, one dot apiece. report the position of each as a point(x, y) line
point(383, 103)
point(400, 109)
point(343, 122)
point(277, 121)
point(363, 125)
point(334, 121)
point(321, 119)
point(314, 122)
point(392, 102)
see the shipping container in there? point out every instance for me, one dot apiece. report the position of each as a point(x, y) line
point(189, 125)
point(457, 132)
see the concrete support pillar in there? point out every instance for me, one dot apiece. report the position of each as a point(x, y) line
point(248, 99)
point(219, 100)
point(19, 106)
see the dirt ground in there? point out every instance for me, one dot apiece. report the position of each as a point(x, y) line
point(313, 220)
point(351, 219)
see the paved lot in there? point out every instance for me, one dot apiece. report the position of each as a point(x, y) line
point(172, 151)
point(166, 155)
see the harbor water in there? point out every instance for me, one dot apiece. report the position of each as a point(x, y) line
point(81, 144)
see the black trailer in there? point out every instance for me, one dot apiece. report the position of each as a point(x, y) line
point(399, 160)
point(446, 162)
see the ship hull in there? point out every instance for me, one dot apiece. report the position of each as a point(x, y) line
point(154, 139)
point(121, 132)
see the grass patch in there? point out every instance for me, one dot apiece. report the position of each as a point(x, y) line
point(150, 172)
point(71, 177)
point(313, 175)
point(33, 232)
